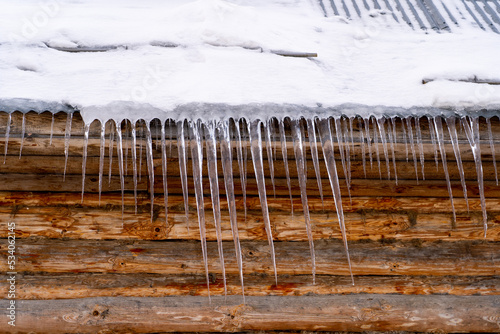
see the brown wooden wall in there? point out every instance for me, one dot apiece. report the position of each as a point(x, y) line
point(83, 267)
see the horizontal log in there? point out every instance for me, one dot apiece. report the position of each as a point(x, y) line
point(320, 313)
point(85, 285)
point(359, 187)
point(462, 258)
point(68, 221)
point(405, 170)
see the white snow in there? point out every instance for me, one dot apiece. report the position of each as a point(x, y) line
point(223, 55)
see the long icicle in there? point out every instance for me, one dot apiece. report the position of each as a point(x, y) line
point(150, 164)
point(134, 162)
point(492, 147)
point(347, 150)
point(84, 162)
point(110, 150)
point(331, 167)
point(298, 147)
point(101, 156)
point(438, 126)
point(118, 126)
point(412, 145)
point(213, 178)
point(420, 144)
point(285, 160)
point(164, 171)
point(227, 169)
point(362, 144)
point(181, 147)
point(471, 126)
point(23, 130)
point(366, 122)
point(67, 135)
point(7, 134)
point(269, 150)
point(452, 129)
point(383, 138)
point(375, 143)
point(338, 132)
point(391, 133)
point(239, 155)
point(432, 132)
point(405, 137)
point(258, 165)
point(197, 157)
point(311, 130)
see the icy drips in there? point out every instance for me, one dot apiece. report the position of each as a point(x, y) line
point(269, 150)
point(101, 157)
point(412, 144)
point(450, 122)
point(298, 148)
point(492, 147)
point(84, 162)
point(311, 130)
point(151, 172)
point(258, 165)
point(23, 130)
point(7, 134)
point(164, 170)
point(119, 148)
point(67, 135)
point(241, 161)
point(285, 161)
point(181, 148)
point(214, 191)
point(134, 164)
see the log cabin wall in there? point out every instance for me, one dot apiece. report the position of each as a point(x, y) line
point(84, 266)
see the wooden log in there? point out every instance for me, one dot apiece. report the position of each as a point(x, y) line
point(323, 313)
point(85, 285)
point(405, 170)
point(463, 258)
point(359, 187)
point(106, 223)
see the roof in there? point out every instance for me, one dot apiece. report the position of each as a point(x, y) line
point(165, 55)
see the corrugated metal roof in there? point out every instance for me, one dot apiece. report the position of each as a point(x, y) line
point(436, 15)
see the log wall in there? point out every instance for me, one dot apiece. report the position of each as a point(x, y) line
point(83, 266)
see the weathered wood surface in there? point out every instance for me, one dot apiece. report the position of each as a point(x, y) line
point(85, 285)
point(462, 258)
point(312, 313)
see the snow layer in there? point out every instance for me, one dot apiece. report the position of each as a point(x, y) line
point(223, 54)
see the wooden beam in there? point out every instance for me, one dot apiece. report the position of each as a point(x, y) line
point(463, 258)
point(320, 313)
point(85, 285)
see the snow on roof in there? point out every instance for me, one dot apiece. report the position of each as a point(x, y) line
point(158, 56)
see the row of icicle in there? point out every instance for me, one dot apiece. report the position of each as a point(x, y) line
point(198, 138)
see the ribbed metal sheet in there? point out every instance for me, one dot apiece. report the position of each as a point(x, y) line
point(438, 15)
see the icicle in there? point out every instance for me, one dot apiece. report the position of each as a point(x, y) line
point(213, 178)
point(420, 144)
point(311, 130)
point(405, 137)
point(170, 136)
point(366, 121)
point(111, 140)
point(347, 151)
point(127, 145)
point(412, 145)
point(285, 160)
point(338, 132)
point(492, 147)
point(375, 143)
point(450, 121)
point(67, 135)
point(118, 126)
point(23, 130)
point(433, 140)
point(269, 151)
point(149, 160)
point(181, 146)
point(84, 163)
point(197, 157)
point(157, 132)
point(242, 168)
point(471, 127)
point(141, 137)
point(353, 148)
point(7, 134)
point(391, 132)
point(227, 169)
point(302, 133)
point(331, 167)
point(258, 165)
point(164, 171)
point(438, 126)
point(383, 138)
point(134, 163)
point(362, 143)
point(101, 157)
point(298, 147)
point(51, 129)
